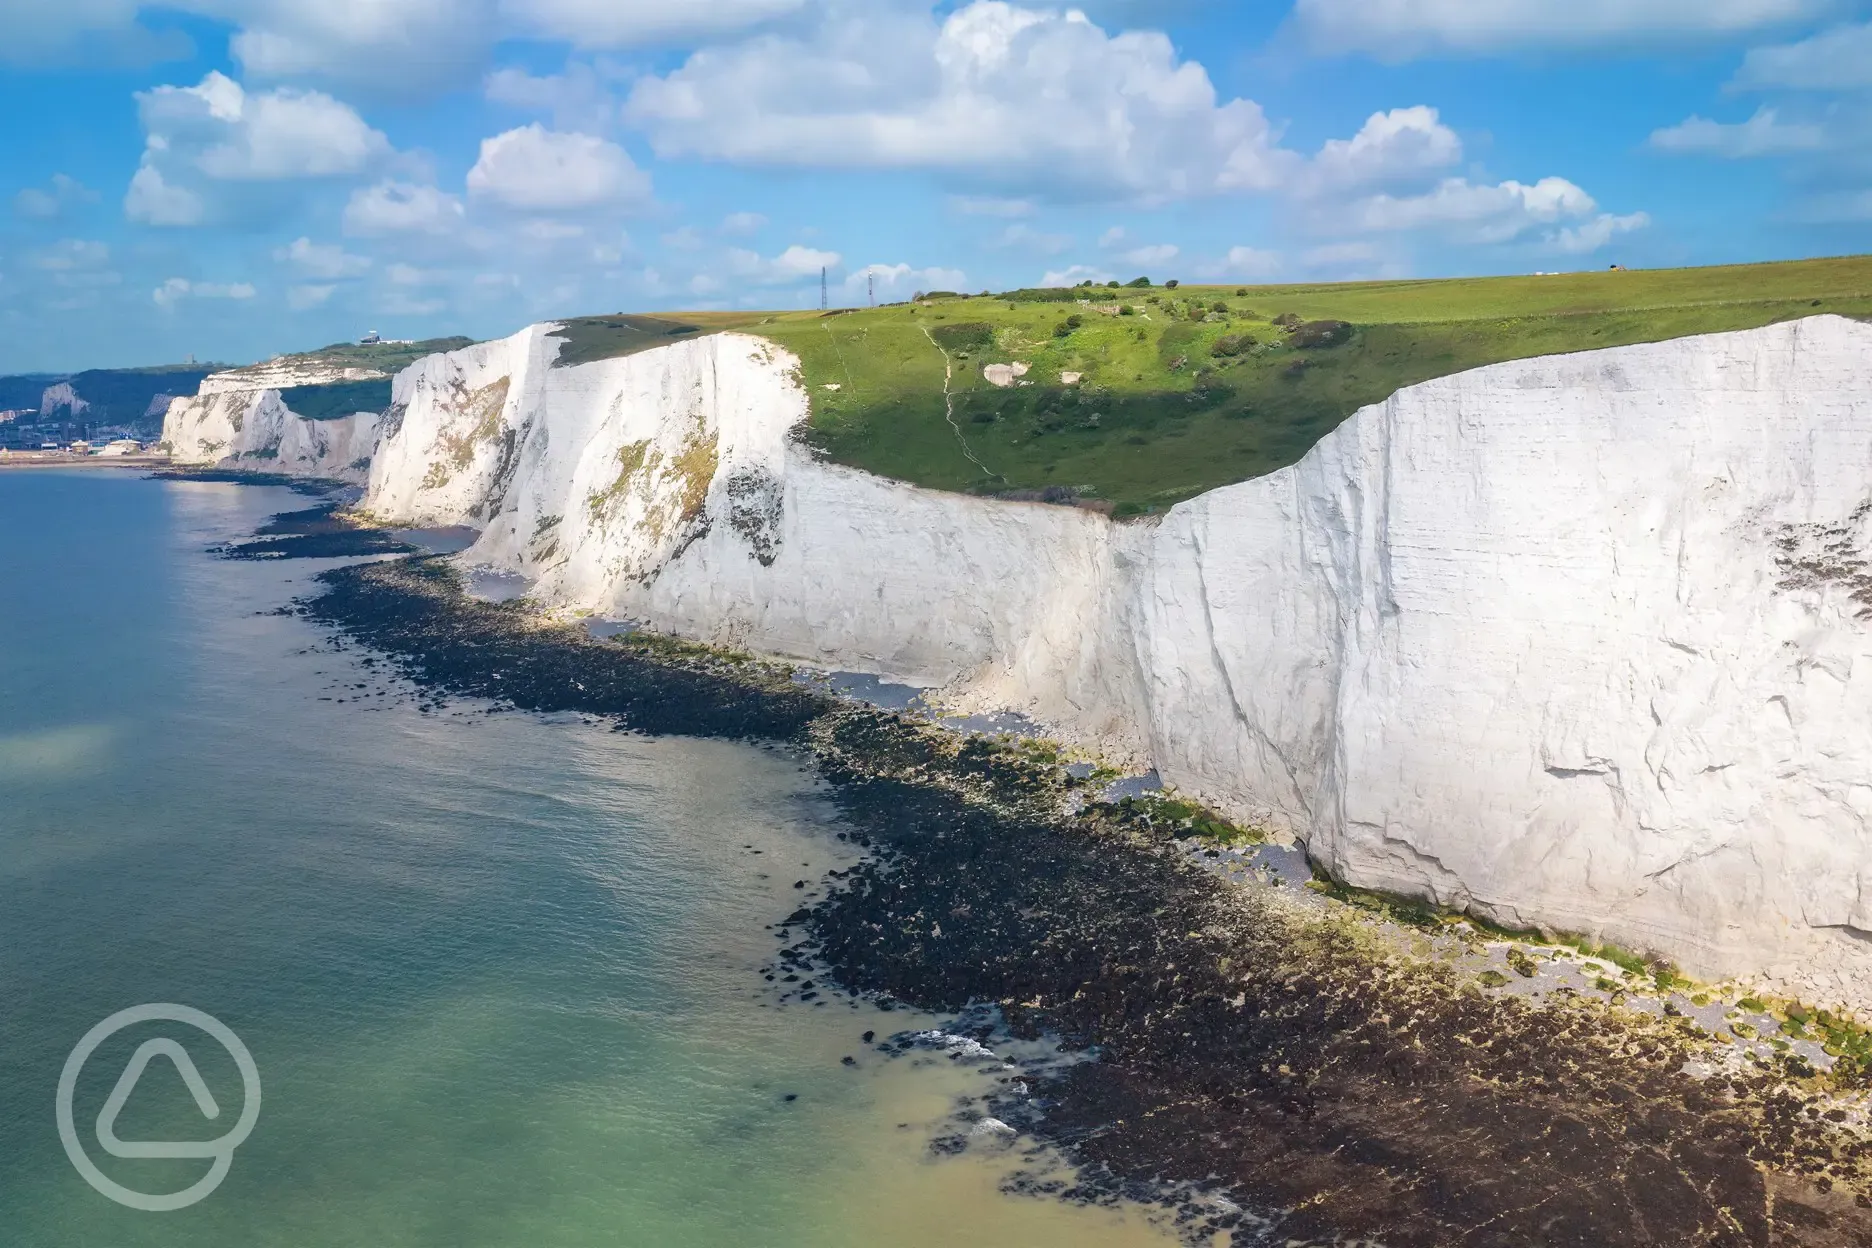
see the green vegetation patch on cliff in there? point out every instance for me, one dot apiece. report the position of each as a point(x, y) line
point(587, 339)
point(1143, 398)
point(337, 400)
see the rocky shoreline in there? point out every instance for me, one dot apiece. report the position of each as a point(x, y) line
point(1272, 1068)
point(1271, 1064)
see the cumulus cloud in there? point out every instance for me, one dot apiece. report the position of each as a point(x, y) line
point(743, 223)
point(1476, 213)
point(218, 134)
point(383, 46)
point(899, 281)
point(582, 98)
point(1594, 234)
point(1393, 29)
point(1043, 101)
point(324, 261)
point(1076, 274)
point(394, 207)
point(1764, 134)
point(152, 200)
point(539, 170)
point(221, 130)
point(176, 289)
point(1835, 60)
point(622, 23)
point(791, 265)
point(1399, 145)
point(50, 202)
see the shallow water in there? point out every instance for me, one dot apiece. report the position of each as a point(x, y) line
point(500, 975)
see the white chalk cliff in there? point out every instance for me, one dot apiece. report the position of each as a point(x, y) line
point(1583, 641)
point(239, 420)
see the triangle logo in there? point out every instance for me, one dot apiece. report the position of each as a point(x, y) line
point(126, 1084)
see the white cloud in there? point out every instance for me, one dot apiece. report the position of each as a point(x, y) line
point(1602, 229)
point(221, 130)
point(152, 200)
point(542, 170)
point(582, 98)
point(1156, 253)
point(384, 46)
point(402, 208)
point(210, 148)
point(1242, 263)
point(1392, 29)
point(1113, 236)
point(1836, 60)
point(1027, 238)
point(1396, 146)
point(900, 281)
point(299, 298)
point(1764, 134)
point(688, 238)
point(177, 289)
point(743, 223)
point(1074, 275)
point(791, 265)
point(50, 202)
point(999, 95)
point(1477, 213)
point(323, 261)
point(633, 23)
point(401, 274)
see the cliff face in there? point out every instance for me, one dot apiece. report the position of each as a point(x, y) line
point(239, 420)
point(1575, 641)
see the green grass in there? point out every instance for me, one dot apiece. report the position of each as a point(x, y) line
point(339, 399)
point(589, 338)
point(1158, 416)
point(388, 357)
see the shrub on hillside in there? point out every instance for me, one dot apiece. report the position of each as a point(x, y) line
point(1139, 282)
point(1065, 328)
point(1172, 284)
point(1314, 334)
point(964, 336)
point(1231, 345)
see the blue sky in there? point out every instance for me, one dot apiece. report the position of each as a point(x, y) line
point(237, 178)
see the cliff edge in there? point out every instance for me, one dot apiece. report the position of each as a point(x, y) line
point(1580, 641)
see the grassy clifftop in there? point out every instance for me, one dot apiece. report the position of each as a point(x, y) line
point(1140, 398)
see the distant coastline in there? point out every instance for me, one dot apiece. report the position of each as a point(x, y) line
point(61, 459)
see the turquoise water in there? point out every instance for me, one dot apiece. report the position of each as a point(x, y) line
point(499, 974)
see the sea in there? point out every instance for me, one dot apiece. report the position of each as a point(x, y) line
point(498, 977)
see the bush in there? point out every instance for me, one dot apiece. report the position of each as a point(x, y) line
point(1218, 306)
point(1315, 334)
point(1127, 310)
point(1197, 312)
point(1288, 320)
point(964, 336)
point(1139, 282)
point(1231, 345)
point(1241, 291)
point(1171, 284)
